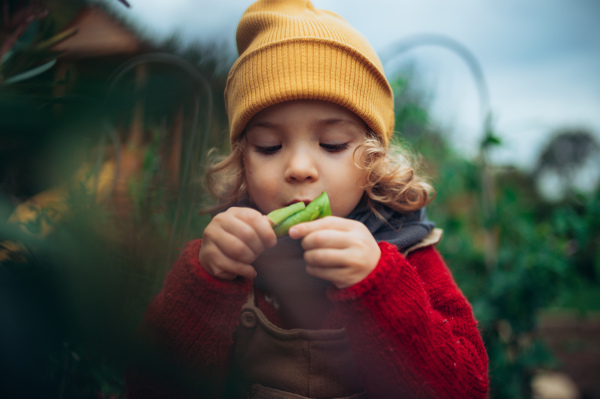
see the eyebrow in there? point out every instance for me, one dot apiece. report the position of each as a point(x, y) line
point(265, 124)
point(337, 121)
point(320, 122)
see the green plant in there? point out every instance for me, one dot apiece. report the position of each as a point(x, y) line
point(542, 250)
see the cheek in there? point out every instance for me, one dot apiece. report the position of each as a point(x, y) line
point(257, 173)
point(347, 191)
point(261, 184)
point(253, 181)
point(356, 175)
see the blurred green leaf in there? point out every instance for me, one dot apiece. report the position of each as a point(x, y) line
point(30, 73)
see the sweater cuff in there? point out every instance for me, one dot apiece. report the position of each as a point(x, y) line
point(202, 282)
point(390, 257)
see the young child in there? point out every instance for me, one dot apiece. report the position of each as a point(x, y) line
point(355, 305)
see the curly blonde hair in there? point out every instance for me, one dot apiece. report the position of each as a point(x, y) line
point(390, 176)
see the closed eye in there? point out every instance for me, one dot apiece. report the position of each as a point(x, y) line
point(270, 150)
point(335, 147)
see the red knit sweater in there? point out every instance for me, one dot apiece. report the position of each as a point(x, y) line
point(411, 329)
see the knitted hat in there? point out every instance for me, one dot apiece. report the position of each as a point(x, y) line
point(288, 50)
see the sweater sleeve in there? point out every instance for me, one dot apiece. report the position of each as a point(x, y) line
point(412, 330)
point(192, 322)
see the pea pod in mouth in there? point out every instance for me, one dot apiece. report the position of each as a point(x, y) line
point(289, 216)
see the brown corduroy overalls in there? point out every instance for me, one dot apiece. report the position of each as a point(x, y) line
point(270, 362)
point(279, 364)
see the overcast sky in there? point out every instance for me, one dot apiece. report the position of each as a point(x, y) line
point(540, 58)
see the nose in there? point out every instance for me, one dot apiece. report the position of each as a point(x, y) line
point(301, 167)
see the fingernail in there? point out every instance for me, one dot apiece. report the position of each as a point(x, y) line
point(292, 231)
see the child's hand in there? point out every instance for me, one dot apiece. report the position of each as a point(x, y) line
point(233, 240)
point(339, 250)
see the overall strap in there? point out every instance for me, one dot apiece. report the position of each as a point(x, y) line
point(434, 237)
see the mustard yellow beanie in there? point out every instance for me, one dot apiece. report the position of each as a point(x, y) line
point(288, 50)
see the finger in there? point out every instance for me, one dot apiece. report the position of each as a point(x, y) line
point(326, 273)
point(326, 258)
point(223, 275)
point(340, 276)
point(227, 269)
point(243, 270)
point(261, 225)
point(238, 249)
point(301, 230)
point(248, 226)
point(265, 230)
point(336, 275)
point(241, 242)
point(334, 239)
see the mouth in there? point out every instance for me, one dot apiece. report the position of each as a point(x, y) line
point(305, 201)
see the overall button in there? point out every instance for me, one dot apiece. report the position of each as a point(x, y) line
point(248, 319)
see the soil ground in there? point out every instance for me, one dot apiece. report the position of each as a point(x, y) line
point(575, 341)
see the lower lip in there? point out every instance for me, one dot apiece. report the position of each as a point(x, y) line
point(295, 202)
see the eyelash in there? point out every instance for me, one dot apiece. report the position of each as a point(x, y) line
point(267, 150)
point(333, 148)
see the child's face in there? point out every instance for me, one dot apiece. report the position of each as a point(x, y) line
point(298, 149)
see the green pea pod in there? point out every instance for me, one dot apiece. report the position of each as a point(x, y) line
point(305, 215)
point(326, 210)
point(318, 208)
point(279, 215)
